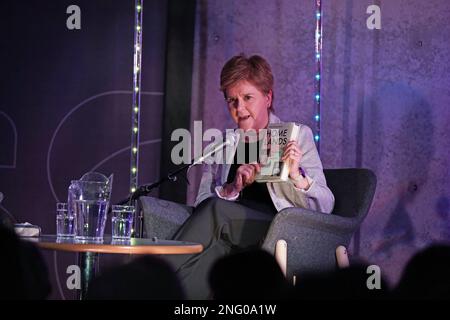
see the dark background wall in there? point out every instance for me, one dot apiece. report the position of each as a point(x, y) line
point(65, 102)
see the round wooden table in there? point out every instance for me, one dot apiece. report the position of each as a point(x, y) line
point(89, 250)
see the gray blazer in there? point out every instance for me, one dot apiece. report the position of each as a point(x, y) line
point(284, 194)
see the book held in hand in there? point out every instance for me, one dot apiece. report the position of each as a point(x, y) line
point(278, 136)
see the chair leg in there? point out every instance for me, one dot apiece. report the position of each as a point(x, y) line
point(342, 257)
point(281, 255)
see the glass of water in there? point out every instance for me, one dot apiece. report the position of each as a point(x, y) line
point(122, 221)
point(65, 221)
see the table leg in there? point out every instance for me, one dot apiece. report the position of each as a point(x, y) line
point(88, 267)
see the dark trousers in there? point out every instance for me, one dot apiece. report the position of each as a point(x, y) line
point(222, 227)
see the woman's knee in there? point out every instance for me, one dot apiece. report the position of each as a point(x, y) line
point(212, 202)
point(217, 208)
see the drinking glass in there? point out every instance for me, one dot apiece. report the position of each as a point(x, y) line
point(122, 221)
point(65, 221)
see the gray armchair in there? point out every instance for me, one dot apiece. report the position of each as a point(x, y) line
point(311, 237)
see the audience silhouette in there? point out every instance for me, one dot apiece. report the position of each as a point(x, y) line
point(251, 274)
point(426, 275)
point(144, 278)
point(347, 283)
point(23, 270)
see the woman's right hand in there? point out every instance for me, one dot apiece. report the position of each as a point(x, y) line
point(245, 176)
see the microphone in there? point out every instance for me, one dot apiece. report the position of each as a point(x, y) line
point(229, 140)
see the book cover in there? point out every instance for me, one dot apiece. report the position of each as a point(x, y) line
point(278, 136)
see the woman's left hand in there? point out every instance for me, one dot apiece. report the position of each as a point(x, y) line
point(293, 155)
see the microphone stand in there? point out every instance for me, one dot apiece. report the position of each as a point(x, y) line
point(146, 189)
point(172, 176)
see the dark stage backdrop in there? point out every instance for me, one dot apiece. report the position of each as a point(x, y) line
point(65, 105)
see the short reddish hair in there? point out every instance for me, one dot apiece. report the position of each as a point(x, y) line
point(254, 69)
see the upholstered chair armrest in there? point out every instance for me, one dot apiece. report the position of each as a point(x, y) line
point(162, 218)
point(311, 237)
point(312, 219)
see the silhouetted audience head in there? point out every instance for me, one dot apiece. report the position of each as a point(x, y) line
point(145, 278)
point(354, 282)
point(427, 275)
point(23, 270)
point(252, 274)
point(6, 219)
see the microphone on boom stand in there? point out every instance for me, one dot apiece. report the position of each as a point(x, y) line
point(172, 176)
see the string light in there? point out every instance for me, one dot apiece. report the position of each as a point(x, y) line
point(136, 106)
point(317, 76)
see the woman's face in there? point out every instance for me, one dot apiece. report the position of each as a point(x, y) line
point(248, 105)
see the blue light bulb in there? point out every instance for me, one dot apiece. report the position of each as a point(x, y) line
point(317, 76)
point(317, 97)
point(317, 117)
point(316, 137)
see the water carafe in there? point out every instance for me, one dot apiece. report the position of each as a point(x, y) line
point(88, 199)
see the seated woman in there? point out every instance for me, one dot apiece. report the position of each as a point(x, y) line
point(232, 211)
